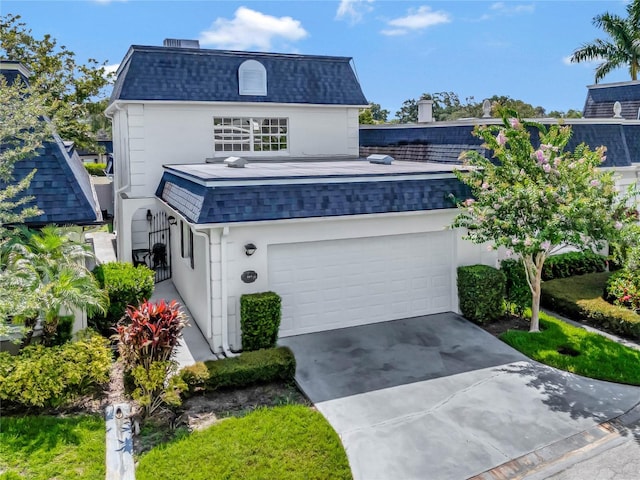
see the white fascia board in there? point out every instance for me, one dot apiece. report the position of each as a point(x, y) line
point(309, 180)
point(472, 122)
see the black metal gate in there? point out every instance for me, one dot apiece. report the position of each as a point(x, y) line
point(160, 246)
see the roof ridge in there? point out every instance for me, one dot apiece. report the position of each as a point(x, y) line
point(237, 53)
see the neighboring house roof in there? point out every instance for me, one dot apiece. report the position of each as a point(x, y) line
point(444, 141)
point(213, 193)
point(601, 98)
point(61, 187)
point(200, 75)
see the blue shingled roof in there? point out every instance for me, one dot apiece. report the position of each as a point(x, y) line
point(188, 74)
point(601, 98)
point(622, 142)
point(277, 201)
point(61, 187)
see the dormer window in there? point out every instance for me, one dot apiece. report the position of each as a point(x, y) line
point(252, 78)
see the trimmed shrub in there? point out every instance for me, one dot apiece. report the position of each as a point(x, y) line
point(481, 291)
point(250, 368)
point(580, 298)
point(126, 286)
point(96, 169)
point(518, 293)
point(260, 320)
point(573, 263)
point(623, 289)
point(53, 376)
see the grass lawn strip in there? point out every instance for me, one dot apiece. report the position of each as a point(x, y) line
point(288, 442)
point(575, 350)
point(52, 447)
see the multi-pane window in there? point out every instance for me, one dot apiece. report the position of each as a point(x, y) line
point(242, 134)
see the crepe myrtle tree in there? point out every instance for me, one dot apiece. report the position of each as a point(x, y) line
point(534, 197)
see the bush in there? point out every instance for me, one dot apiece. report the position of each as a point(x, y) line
point(573, 263)
point(580, 298)
point(53, 376)
point(260, 320)
point(64, 332)
point(96, 169)
point(481, 291)
point(126, 285)
point(623, 289)
point(518, 293)
point(260, 366)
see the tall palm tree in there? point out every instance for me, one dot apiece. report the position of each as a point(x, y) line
point(621, 49)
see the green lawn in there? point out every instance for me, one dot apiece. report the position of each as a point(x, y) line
point(288, 442)
point(595, 356)
point(52, 448)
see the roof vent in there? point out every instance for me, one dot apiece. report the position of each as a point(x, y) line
point(179, 43)
point(380, 159)
point(235, 162)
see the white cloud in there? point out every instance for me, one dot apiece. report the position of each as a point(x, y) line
point(591, 63)
point(251, 29)
point(353, 10)
point(111, 68)
point(416, 19)
point(511, 9)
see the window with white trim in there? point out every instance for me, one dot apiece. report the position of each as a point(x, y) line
point(186, 242)
point(250, 134)
point(252, 78)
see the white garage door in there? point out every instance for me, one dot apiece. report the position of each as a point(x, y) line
point(342, 283)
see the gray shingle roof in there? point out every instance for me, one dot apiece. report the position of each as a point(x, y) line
point(188, 74)
point(441, 143)
point(61, 187)
point(306, 196)
point(600, 100)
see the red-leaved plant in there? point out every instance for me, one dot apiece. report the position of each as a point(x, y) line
point(147, 337)
point(150, 332)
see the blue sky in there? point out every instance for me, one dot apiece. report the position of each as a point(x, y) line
point(400, 48)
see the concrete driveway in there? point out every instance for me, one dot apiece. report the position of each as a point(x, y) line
point(437, 397)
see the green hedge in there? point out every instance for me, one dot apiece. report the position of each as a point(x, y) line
point(580, 298)
point(481, 291)
point(518, 293)
point(126, 285)
point(573, 263)
point(53, 376)
point(96, 169)
point(250, 368)
point(260, 320)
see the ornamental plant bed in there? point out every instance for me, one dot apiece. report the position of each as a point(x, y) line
point(508, 322)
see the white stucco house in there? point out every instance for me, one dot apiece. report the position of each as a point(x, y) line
point(239, 172)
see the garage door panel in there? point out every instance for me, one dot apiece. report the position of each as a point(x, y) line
point(335, 284)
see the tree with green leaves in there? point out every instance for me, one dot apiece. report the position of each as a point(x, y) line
point(535, 199)
point(22, 132)
point(621, 49)
point(69, 88)
point(378, 113)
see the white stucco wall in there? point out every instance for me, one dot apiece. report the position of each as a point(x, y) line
point(177, 133)
point(191, 283)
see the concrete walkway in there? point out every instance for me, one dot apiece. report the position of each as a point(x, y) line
point(437, 397)
point(193, 346)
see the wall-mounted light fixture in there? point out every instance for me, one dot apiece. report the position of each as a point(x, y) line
point(149, 216)
point(250, 249)
point(172, 220)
